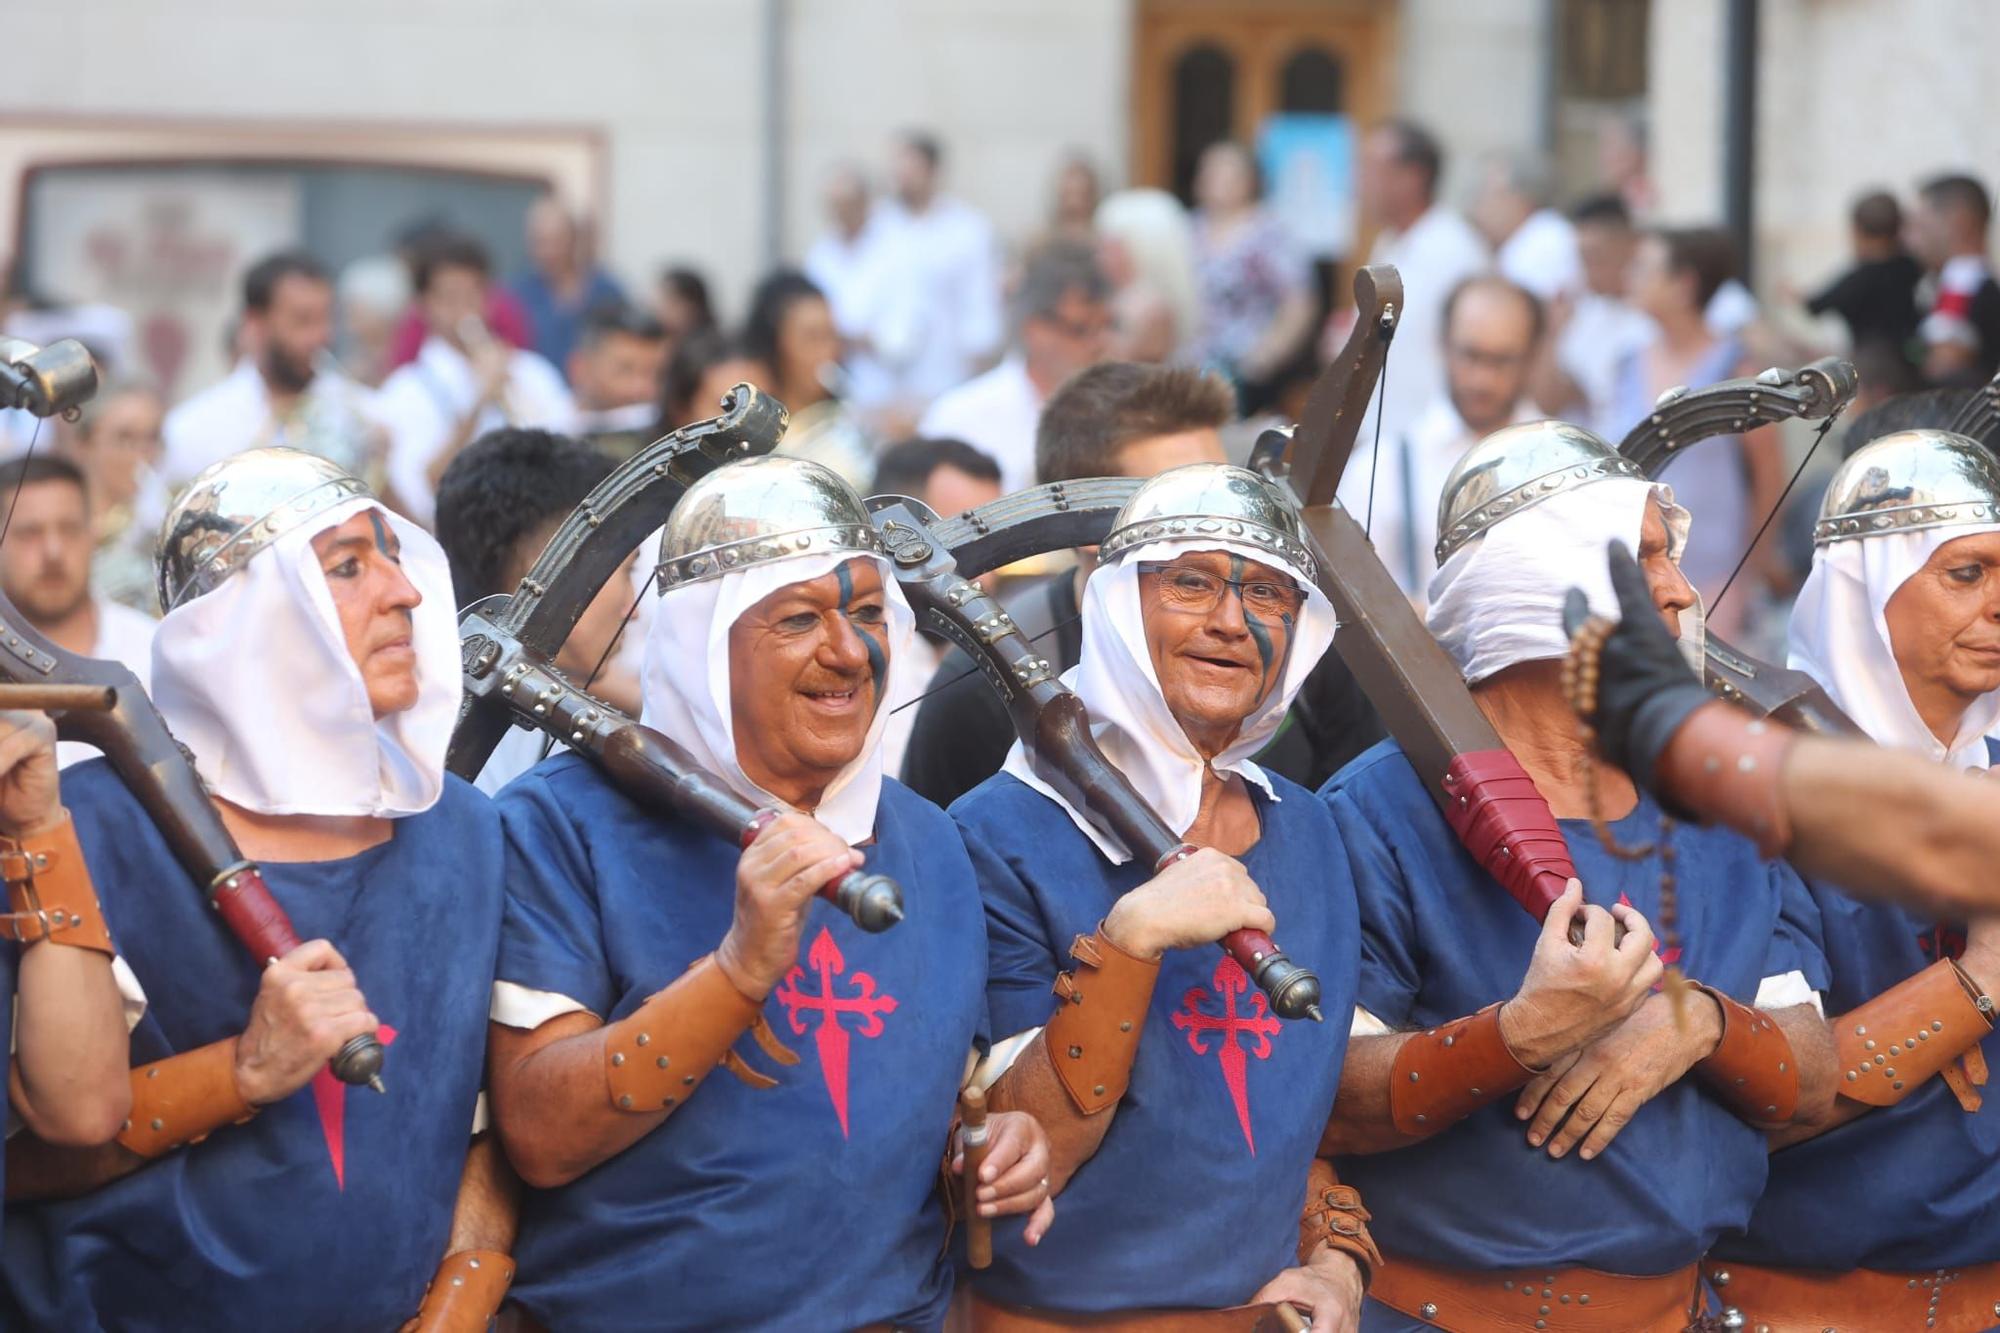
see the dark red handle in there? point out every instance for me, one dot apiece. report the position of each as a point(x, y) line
point(1293, 990)
point(875, 902)
point(249, 909)
point(1497, 812)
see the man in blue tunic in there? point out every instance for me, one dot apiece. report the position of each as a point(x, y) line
point(1632, 1169)
point(799, 1188)
point(1185, 1116)
point(309, 661)
point(1899, 620)
point(61, 1015)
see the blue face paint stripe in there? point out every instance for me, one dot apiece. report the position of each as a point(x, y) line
point(1260, 633)
point(381, 533)
point(878, 663)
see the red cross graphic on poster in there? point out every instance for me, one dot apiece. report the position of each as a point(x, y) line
point(831, 1038)
point(1230, 981)
point(330, 1096)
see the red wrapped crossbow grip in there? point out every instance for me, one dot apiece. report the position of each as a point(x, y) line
point(874, 902)
point(249, 909)
point(1294, 991)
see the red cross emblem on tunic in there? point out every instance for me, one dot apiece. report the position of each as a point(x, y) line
point(1943, 942)
point(1201, 1027)
point(330, 1096)
point(831, 1037)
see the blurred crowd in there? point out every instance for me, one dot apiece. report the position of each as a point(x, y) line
point(921, 353)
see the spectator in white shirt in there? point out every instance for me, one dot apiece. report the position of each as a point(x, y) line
point(1062, 325)
point(1431, 246)
point(284, 391)
point(45, 572)
point(853, 263)
point(1598, 331)
point(1492, 329)
point(1533, 244)
point(939, 318)
point(464, 381)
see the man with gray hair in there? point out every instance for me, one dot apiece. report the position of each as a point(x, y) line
point(1533, 244)
point(1061, 325)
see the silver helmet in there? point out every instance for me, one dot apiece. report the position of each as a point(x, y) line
point(236, 508)
point(1909, 480)
point(1211, 500)
point(759, 509)
point(1515, 468)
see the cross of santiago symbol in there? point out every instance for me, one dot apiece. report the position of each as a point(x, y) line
point(1230, 981)
point(830, 1038)
point(330, 1098)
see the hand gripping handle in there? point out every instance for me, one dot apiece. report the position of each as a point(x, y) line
point(874, 902)
point(248, 909)
point(1294, 991)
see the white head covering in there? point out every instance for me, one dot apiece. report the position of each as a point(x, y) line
point(1840, 638)
point(1129, 715)
point(685, 680)
point(255, 678)
point(1498, 600)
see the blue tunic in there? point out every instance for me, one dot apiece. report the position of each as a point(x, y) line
point(1929, 1172)
point(749, 1207)
point(1192, 1200)
point(1440, 940)
point(331, 1209)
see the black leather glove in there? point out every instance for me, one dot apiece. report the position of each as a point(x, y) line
point(1645, 690)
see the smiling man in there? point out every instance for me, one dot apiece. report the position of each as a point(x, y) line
point(1180, 1109)
point(640, 948)
point(1900, 621)
point(309, 662)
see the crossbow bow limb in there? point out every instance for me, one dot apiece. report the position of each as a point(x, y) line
point(1686, 417)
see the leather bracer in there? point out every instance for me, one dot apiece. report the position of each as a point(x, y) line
point(1752, 1069)
point(466, 1292)
point(1093, 1036)
point(1915, 1029)
point(1335, 1217)
point(49, 893)
point(656, 1056)
point(1729, 767)
point(1444, 1074)
point(183, 1099)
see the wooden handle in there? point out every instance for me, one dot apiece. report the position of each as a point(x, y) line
point(978, 1229)
point(1290, 1319)
point(59, 698)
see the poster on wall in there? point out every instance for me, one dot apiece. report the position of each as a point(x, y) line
point(167, 246)
point(1308, 165)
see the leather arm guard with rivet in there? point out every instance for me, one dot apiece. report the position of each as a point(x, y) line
point(1915, 1029)
point(656, 1056)
point(1335, 1217)
point(1445, 1073)
point(49, 893)
point(183, 1099)
point(466, 1292)
point(1093, 1036)
point(1752, 1069)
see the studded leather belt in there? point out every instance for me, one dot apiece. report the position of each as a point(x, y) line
point(993, 1317)
point(1558, 1300)
point(1802, 1300)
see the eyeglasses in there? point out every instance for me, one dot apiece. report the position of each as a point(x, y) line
point(1197, 591)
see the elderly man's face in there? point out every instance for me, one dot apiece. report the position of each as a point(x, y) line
point(1944, 625)
point(807, 667)
point(1672, 593)
point(1219, 629)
